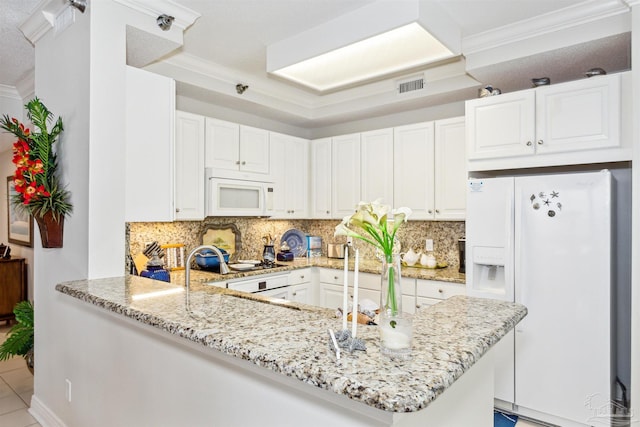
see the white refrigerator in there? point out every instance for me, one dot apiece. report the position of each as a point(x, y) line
point(545, 241)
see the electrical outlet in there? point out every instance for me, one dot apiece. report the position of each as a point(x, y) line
point(67, 389)
point(428, 246)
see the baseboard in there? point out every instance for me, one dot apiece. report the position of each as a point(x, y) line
point(43, 414)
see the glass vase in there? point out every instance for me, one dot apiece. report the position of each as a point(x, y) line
point(395, 326)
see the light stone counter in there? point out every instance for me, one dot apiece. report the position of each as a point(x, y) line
point(291, 339)
point(447, 274)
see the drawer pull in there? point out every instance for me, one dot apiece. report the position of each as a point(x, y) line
point(440, 291)
point(295, 293)
point(335, 277)
point(302, 276)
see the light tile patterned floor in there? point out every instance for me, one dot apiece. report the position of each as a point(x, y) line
point(16, 388)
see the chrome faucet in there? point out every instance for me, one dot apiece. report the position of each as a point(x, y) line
point(224, 268)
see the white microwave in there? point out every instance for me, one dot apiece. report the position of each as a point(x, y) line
point(230, 197)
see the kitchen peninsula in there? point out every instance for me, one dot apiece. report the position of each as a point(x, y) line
point(237, 359)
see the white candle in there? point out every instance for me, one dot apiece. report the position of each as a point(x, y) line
point(354, 312)
point(345, 289)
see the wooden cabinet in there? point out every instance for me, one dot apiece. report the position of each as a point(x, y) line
point(290, 166)
point(429, 172)
point(376, 159)
point(189, 167)
point(321, 173)
point(149, 131)
point(13, 285)
point(236, 151)
point(563, 124)
point(345, 166)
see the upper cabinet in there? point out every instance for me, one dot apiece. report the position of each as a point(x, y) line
point(345, 166)
point(189, 167)
point(237, 151)
point(149, 167)
point(376, 161)
point(568, 123)
point(321, 172)
point(429, 169)
point(290, 172)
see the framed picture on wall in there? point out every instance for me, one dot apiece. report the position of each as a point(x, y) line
point(19, 223)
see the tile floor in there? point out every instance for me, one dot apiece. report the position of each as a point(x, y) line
point(16, 388)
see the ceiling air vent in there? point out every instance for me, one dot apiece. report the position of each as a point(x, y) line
point(411, 84)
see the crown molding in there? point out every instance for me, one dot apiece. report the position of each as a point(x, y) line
point(37, 24)
point(568, 17)
point(183, 17)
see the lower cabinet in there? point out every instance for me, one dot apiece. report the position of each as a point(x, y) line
point(301, 293)
point(429, 292)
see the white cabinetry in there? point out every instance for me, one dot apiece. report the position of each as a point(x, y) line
point(321, 173)
point(429, 169)
point(450, 169)
point(189, 167)
point(345, 165)
point(289, 163)
point(331, 287)
point(568, 123)
point(376, 159)
point(429, 292)
point(236, 151)
point(149, 167)
point(301, 288)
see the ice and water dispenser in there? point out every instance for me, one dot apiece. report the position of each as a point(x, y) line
point(486, 274)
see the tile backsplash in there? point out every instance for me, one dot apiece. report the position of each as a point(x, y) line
point(445, 235)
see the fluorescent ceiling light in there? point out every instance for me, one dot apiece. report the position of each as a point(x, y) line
point(403, 48)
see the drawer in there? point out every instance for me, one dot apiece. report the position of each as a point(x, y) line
point(336, 277)
point(297, 277)
point(439, 290)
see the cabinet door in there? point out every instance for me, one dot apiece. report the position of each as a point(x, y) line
point(579, 115)
point(254, 150)
point(321, 173)
point(376, 159)
point(222, 145)
point(413, 172)
point(501, 126)
point(300, 293)
point(150, 136)
point(450, 169)
point(345, 184)
point(330, 296)
point(190, 177)
point(290, 172)
point(321, 178)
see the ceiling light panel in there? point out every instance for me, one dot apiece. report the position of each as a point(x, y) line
point(400, 49)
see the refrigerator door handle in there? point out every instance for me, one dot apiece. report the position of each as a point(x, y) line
point(509, 237)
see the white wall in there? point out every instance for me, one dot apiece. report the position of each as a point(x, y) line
point(80, 75)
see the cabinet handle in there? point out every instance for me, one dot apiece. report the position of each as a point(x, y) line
point(437, 211)
point(430, 211)
point(295, 293)
point(302, 276)
point(177, 210)
point(529, 143)
point(440, 291)
point(328, 212)
point(293, 211)
point(237, 162)
point(335, 277)
point(540, 142)
point(244, 163)
point(418, 305)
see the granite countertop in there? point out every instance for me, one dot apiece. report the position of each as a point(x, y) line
point(447, 274)
point(292, 339)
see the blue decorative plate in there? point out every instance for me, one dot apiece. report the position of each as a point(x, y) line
point(297, 241)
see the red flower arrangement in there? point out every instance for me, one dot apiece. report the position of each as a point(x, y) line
point(35, 178)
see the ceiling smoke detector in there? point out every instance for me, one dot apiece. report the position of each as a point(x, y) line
point(164, 22)
point(240, 88)
point(81, 5)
